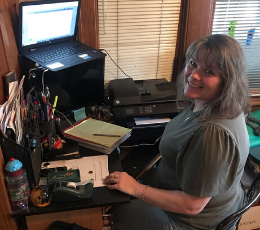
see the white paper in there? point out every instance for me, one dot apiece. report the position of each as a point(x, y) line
point(10, 111)
point(148, 120)
point(94, 167)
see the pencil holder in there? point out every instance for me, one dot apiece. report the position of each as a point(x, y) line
point(50, 133)
point(49, 128)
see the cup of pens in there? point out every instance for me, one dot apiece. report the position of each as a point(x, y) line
point(48, 125)
point(50, 133)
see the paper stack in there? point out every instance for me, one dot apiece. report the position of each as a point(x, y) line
point(97, 135)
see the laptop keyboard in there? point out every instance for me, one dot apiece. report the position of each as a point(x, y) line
point(57, 53)
point(135, 161)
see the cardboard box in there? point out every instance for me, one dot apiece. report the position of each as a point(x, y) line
point(251, 219)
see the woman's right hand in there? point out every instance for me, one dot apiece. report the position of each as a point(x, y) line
point(122, 182)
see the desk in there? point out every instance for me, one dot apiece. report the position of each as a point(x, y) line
point(87, 213)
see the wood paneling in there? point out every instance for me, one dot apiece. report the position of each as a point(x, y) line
point(88, 218)
point(3, 67)
point(9, 41)
point(88, 16)
point(4, 4)
point(8, 46)
point(199, 20)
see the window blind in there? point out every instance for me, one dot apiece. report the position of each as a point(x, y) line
point(241, 20)
point(140, 36)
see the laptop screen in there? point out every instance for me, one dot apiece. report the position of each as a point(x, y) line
point(47, 22)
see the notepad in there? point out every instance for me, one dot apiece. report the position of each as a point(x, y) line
point(111, 135)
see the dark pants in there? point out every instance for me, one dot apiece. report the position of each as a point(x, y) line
point(140, 215)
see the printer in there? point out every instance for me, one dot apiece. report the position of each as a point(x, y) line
point(150, 100)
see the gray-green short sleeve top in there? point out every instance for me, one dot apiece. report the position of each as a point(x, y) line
point(204, 160)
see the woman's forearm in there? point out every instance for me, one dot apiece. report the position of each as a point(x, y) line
point(171, 200)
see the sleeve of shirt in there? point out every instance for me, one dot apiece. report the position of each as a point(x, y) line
point(208, 162)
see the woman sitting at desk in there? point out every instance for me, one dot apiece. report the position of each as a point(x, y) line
point(204, 149)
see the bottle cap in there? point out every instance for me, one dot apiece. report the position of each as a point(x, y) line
point(14, 167)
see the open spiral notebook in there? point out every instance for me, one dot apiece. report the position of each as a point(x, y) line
point(97, 135)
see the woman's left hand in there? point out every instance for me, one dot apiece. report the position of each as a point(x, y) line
point(122, 182)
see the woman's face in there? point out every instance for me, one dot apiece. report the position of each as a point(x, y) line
point(202, 81)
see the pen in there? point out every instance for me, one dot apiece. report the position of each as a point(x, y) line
point(54, 104)
point(105, 135)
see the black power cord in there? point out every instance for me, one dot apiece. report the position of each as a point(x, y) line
point(115, 63)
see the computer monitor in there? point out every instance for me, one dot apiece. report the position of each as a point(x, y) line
point(44, 22)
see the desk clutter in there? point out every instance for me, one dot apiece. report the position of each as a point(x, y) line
point(79, 171)
point(31, 129)
point(62, 186)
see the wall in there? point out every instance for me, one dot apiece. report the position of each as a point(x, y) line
point(88, 34)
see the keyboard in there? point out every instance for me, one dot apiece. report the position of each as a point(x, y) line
point(138, 159)
point(61, 52)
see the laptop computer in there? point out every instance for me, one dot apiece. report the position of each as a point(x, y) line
point(47, 34)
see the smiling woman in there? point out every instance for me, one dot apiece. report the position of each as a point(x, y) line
point(202, 81)
point(213, 76)
point(204, 149)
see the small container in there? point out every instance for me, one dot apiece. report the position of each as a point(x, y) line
point(17, 184)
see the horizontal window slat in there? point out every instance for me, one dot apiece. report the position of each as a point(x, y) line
point(126, 66)
point(115, 20)
point(156, 27)
point(138, 2)
point(149, 37)
point(137, 17)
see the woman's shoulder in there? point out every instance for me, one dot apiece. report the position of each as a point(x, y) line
point(229, 124)
point(235, 127)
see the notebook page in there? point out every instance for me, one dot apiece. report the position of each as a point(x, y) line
point(87, 128)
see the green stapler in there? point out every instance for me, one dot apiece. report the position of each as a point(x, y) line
point(65, 191)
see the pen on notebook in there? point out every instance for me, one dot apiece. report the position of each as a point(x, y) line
point(105, 135)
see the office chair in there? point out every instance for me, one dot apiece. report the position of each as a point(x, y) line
point(232, 221)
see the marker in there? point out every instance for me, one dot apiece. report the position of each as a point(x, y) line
point(44, 99)
point(106, 135)
point(54, 104)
